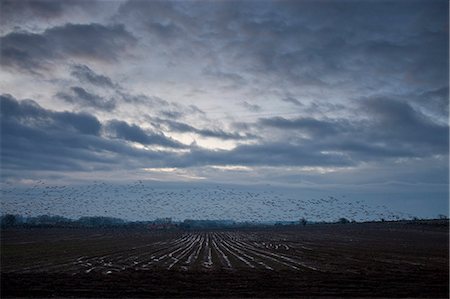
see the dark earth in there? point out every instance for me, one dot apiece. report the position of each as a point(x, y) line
point(386, 259)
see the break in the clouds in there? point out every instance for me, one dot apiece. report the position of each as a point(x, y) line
point(303, 93)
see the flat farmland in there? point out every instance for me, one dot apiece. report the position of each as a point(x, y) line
point(334, 260)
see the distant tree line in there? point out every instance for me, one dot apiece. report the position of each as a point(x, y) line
point(207, 224)
point(10, 220)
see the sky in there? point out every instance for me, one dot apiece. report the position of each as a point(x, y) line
point(328, 97)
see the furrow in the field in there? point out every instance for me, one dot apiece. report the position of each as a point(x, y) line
point(63, 265)
point(89, 270)
point(239, 250)
point(279, 256)
point(250, 248)
point(238, 259)
point(124, 253)
point(193, 257)
point(267, 257)
point(117, 261)
point(227, 256)
point(236, 255)
point(222, 256)
point(146, 259)
point(186, 258)
point(207, 257)
point(193, 241)
point(141, 257)
point(167, 253)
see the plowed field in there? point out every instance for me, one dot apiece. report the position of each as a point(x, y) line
point(374, 260)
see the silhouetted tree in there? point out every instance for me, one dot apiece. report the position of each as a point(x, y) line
point(9, 220)
point(303, 221)
point(343, 220)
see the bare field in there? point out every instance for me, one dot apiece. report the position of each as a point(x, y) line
point(371, 260)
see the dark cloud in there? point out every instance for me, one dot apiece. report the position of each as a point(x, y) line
point(43, 9)
point(251, 107)
point(177, 126)
point(314, 126)
point(392, 129)
point(16, 11)
point(292, 101)
point(165, 31)
point(369, 151)
point(163, 19)
point(33, 52)
point(34, 138)
point(328, 45)
point(37, 139)
point(87, 75)
point(351, 139)
point(122, 130)
point(232, 78)
point(174, 114)
point(398, 122)
point(82, 98)
point(435, 101)
point(152, 101)
point(314, 55)
point(195, 109)
point(41, 139)
point(265, 154)
point(29, 113)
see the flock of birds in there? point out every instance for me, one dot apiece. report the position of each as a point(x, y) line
point(149, 200)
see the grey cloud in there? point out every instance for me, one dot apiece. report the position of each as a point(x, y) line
point(292, 101)
point(174, 114)
point(313, 56)
point(82, 98)
point(265, 154)
point(87, 75)
point(311, 125)
point(234, 78)
point(34, 138)
point(366, 151)
point(162, 18)
point(397, 121)
point(435, 101)
point(16, 11)
point(320, 46)
point(324, 45)
point(153, 101)
point(43, 9)
point(181, 127)
point(29, 113)
point(251, 107)
point(165, 31)
point(33, 52)
point(196, 109)
point(392, 129)
point(316, 44)
point(123, 130)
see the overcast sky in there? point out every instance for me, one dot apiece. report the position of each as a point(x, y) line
point(348, 95)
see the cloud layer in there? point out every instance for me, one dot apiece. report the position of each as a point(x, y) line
point(282, 92)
